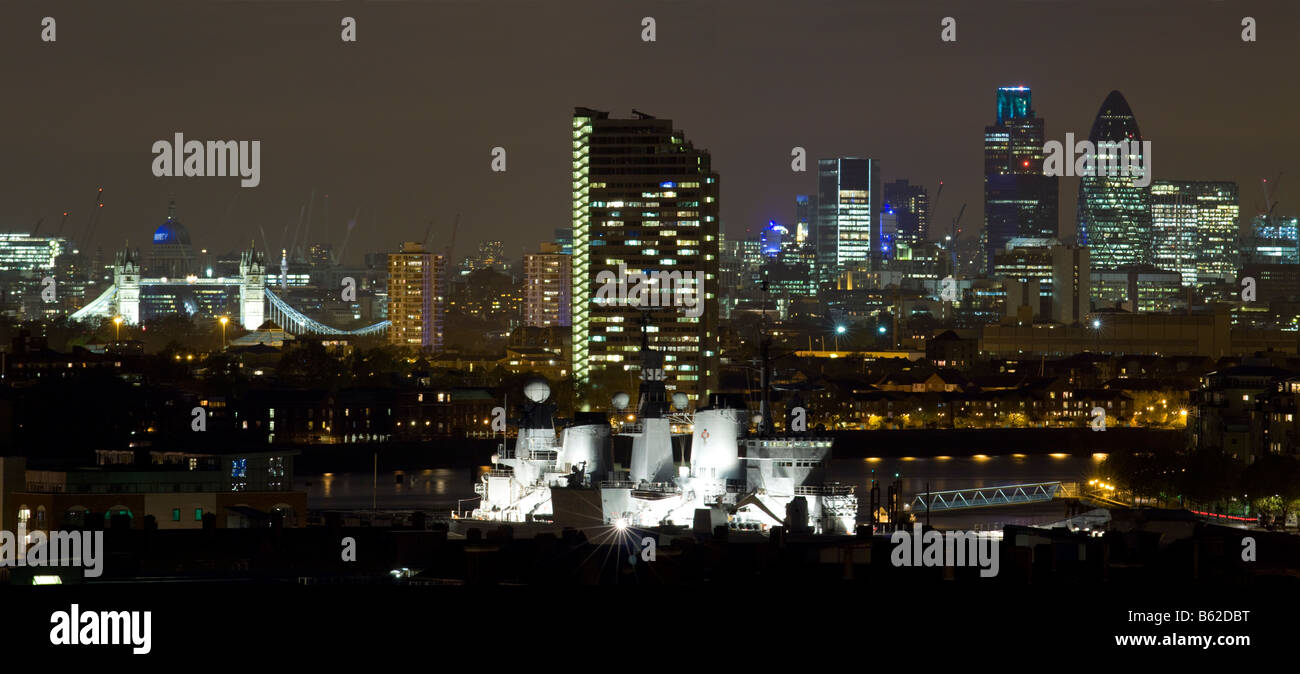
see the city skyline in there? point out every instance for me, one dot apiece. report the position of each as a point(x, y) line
point(343, 325)
point(430, 161)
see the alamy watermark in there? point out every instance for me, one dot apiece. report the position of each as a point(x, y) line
point(53, 549)
point(75, 627)
point(654, 289)
point(1120, 158)
point(195, 159)
point(948, 548)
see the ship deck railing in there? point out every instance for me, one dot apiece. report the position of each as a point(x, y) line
point(663, 487)
point(658, 486)
point(824, 490)
point(535, 455)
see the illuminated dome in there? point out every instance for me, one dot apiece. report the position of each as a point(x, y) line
point(621, 400)
point(171, 255)
point(171, 232)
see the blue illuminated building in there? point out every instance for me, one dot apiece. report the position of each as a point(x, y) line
point(771, 238)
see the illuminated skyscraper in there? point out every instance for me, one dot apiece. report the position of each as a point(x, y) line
point(1194, 229)
point(415, 302)
point(548, 288)
point(1114, 215)
point(911, 204)
point(645, 201)
point(1019, 201)
point(849, 200)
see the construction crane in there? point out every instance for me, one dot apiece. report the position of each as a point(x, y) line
point(62, 223)
point(934, 207)
point(451, 245)
point(1269, 204)
point(37, 228)
point(446, 260)
point(338, 258)
point(428, 232)
point(956, 232)
point(94, 218)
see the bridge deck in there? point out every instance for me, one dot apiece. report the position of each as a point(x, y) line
point(984, 497)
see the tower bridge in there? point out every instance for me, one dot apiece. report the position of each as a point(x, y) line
point(257, 301)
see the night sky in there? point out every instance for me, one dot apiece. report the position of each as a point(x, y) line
point(401, 123)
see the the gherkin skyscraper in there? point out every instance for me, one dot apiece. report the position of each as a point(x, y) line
point(1114, 214)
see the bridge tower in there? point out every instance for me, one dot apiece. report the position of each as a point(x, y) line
point(252, 288)
point(126, 278)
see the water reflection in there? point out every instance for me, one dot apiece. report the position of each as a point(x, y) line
point(946, 472)
point(429, 489)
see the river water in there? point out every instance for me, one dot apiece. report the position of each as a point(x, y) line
point(439, 489)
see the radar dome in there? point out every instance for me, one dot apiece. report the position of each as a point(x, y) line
point(680, 401)
point(537, 391)
point(621, 400)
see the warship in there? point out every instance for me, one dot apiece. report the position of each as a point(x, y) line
point(728, 474)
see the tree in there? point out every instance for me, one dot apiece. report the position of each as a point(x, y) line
point(1272, 482)
point(1144, 473)
point(1210, 476)
point(308, 364)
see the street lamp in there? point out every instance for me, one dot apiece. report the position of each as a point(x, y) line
point(224, 321)
point(839, 330)
point(117, 328)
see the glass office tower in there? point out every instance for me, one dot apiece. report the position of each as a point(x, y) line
point(1019, 201)
point(1114, 214)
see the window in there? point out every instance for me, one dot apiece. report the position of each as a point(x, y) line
point(176, 514)
point(238, 467)
point(198, 514)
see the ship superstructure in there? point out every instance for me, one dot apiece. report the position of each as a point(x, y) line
point(517, 487)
